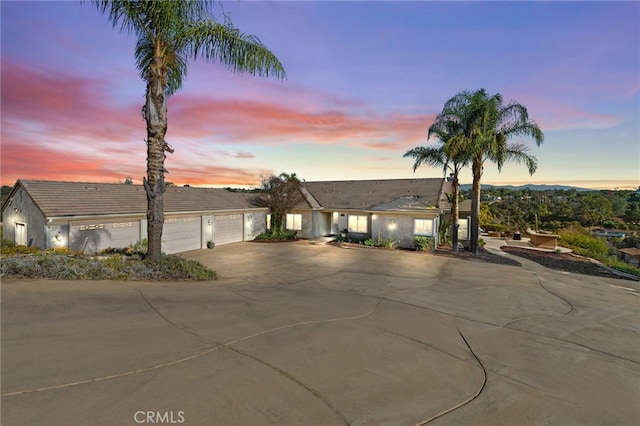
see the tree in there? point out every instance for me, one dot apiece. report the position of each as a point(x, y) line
point(487, 127)
point(168, 34)
point(447, 155)
point(279, 194)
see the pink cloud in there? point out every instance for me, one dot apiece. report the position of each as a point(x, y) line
point(274, 123)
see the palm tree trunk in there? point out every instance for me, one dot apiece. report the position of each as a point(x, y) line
point(455, 214)
point(156, 118)
point(475, 207)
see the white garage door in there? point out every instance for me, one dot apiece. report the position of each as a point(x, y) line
point(181, 234)
point(93, 237)
point(227, 228)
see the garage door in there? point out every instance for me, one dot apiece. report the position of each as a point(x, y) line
point(227, 228)
point(181, 234)
point(92, 237)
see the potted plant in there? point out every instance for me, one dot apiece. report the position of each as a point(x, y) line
point(210, 244)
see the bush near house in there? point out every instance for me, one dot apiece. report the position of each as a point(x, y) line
point(113, 264)
point(424, 243)
point(278, 235)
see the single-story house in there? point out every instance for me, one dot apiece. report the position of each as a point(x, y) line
point(630, 255)
point(90, 217)
point(395, 209)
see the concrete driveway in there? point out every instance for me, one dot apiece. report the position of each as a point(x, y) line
point(310, 334)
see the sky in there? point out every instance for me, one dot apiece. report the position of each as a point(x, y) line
point(364, 82)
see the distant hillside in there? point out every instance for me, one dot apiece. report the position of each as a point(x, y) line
point(529, 186)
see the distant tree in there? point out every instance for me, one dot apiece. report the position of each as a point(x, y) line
point(632, 214)
point(593, 209)
point(128, 181)
point(4, 194)
point(168, 34)
point(279, 194)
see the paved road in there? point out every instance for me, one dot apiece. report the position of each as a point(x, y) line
point(309, 334)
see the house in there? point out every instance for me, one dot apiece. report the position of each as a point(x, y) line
point(90, 217)
point(396, 209)
point(630, 255)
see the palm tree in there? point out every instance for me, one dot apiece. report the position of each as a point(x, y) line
point(447, 155)
point(489, 125)
point(168, 33)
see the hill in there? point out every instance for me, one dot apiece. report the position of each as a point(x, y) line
point(529, 186)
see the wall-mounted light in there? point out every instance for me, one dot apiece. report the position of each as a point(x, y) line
point(17, 210)
point(391, 225)
point(58, 236)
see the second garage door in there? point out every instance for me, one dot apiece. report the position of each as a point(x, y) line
point(227, 228)
point(181, 234)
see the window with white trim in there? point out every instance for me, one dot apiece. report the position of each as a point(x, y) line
point(358, 224)
point(423, 227)
point(294, 222)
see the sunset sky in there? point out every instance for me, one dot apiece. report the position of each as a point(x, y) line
point(364, 82)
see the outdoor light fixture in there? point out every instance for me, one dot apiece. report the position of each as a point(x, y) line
point(392, 224)
point(58, 236)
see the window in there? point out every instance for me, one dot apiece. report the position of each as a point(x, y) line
point(358, 224)
point(423, 227)
point(294, 222)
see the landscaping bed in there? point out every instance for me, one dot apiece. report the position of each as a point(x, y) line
point(563, 262)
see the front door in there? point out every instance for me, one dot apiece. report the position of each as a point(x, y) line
point(334, 223)
point(21, 234)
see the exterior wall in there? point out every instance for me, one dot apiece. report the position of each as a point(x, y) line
point(254, 225)
point(399, 227)
point(321, 223)
point(207, 230)
point(23, 210)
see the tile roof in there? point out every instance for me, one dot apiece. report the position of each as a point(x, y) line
point(377, 194)
point(56, 198)
point(79, 198)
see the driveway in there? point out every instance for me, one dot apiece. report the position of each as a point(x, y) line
point(311, 334)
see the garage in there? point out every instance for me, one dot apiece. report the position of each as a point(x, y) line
point(181, 234)
point(227, 228)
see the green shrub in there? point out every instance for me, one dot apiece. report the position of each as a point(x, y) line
point(56, 266)
point(424, 243)
point(277, 235)
point(584, 244)
point(495, 227)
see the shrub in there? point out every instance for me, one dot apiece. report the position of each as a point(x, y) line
point(424, 243)
point(62, 267)
point(584, 244)
point(495, 227)
point(277, 235)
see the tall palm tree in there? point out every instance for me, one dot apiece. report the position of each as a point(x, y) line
point(489, 126)
point(169, 32)
point(447, 155)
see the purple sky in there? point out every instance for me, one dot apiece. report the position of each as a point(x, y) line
point(364, 82)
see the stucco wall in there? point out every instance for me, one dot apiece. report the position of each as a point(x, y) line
point(254, 225)
point(399, 227)
point(22, 209)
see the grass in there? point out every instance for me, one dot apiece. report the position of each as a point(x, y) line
point(124, 264)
